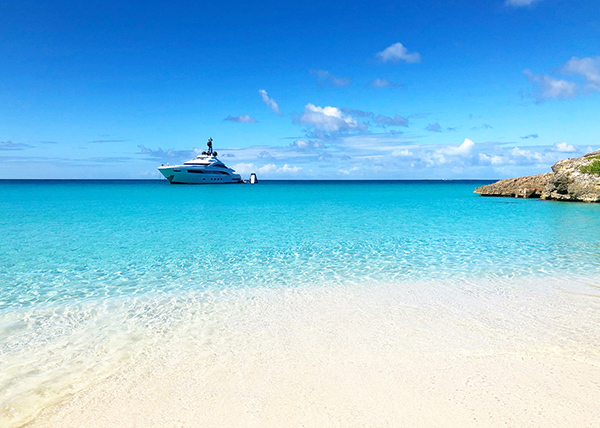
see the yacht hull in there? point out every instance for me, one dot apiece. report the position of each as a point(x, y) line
point(184, 175)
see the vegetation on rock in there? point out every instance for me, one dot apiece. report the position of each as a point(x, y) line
point(593, 168)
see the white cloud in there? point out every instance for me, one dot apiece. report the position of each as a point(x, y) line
point(289, 169)
point(527, 154)
point(244, 168)
point(397, 52)
point(270, 102)
point(348, 171)
point(519, 3)
point(241, 119)
point(273, 169)
point(548, 87)
point(326, 78)
point(589, 68)
point(386, 155)
point(463, 150)
point(564, 147)
point(265, 169)
point(269, 169)
point(435, 158)
point(402, 153)
point(382, 83)
point(492, 160)
point(328, 119)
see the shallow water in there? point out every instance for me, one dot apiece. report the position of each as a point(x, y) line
point(97, 275)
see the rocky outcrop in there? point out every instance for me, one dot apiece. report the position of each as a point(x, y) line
point(531, 186)
point(569, 183)
point(570, 180)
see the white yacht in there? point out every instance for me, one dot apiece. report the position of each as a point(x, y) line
point(203, 169)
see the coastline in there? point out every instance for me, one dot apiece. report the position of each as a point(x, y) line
point(445, 353)
point(420, 300)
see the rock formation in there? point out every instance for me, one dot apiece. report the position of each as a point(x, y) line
point(570, 180)
point(531, 186)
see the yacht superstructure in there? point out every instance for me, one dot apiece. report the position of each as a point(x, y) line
point(203, 169)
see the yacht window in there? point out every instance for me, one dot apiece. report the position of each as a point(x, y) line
point(195, 171)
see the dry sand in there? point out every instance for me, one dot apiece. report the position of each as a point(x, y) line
point(420, 356)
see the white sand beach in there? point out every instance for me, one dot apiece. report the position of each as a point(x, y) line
point(422, 355)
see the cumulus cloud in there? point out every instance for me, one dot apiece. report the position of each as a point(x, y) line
point(289, 169)
point(503, 160)
point(270, 102)
point(434, 127)
point(564, 147)
point(328, 119)
point(519, 3)
point(494, 160)
point(463, 150)
point(589, 68)
point(332, 120)
point(382, 83)
point(384, 155)
point(325, 78)
point(397, 52)
point(244, 168)
point(240, 119)
point(527, 154)
point(547, 87)
point(448, 155)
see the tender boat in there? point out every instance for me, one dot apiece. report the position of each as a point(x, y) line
point(203, 169)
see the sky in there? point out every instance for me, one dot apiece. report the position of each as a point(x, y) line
point(456, 89)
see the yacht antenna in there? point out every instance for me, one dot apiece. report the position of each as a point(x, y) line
point(210, 150)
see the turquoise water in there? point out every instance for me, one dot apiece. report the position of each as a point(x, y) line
point(66, 241)
point(74, 251)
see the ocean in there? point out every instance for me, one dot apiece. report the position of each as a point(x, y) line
point(106, 283)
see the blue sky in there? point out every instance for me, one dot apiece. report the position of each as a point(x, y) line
point(336, 90)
